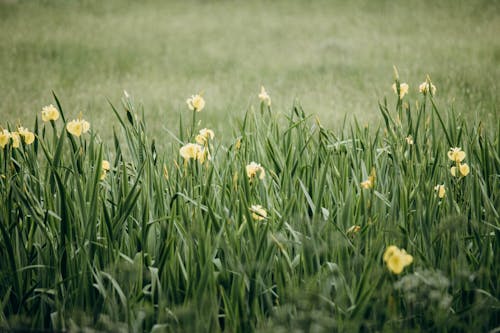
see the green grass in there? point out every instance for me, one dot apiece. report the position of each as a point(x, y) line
point(166, 244)
point(333, 56)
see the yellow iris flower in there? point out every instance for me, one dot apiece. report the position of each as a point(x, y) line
point(4, 138)
point(49, 112)
point(396, 259)
point(195, 103)
point(205, 135)
point(28, 136)
point(258, 212)
point(264, 96)
point(441, 191)
point(78, 127)
point(253, 169)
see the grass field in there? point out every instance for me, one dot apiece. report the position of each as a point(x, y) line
point(333, 56)
point(233, 214)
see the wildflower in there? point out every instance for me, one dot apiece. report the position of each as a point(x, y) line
point(203, 154)
point(426, 87)
point(258, 212)
point(253, 169)
point(16, 140)
point(49, 112)
point(77, 127)
point(105, 166)
point(409, 140)
point(205, 135)
point(396, 259)
point(28, 136)
point(457, 155)
point(441, 191)
point(190, 150)
point(463, 169)
point(4, 138)
point(264, 97)
point(353, 229)
point(195, 103)
point(403, 89)
point(370, 182)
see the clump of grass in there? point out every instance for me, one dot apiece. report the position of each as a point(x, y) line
point(287, 225)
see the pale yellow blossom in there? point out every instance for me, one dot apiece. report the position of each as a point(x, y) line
point(190, 151)
point(203, 155)
point(205, 135)
point(16, 140)
point(353, 229)
point(441, 190)
point(456, 154)
point(258, 212)
point(253, 169)
point(195, 103)
point(264, 96)
point(409, 140)
point(462, 168)
point(78, 126)
point(4, 138)
point(396, 259)
point(403, 89)
point(28, 136)
point(50, 112)
point(370, 182)
point(427, 86)
point(105, 166)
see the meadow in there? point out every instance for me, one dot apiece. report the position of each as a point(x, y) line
point(347, 195)
point(335, 57)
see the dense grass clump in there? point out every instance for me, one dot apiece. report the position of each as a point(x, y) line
point(199, 238)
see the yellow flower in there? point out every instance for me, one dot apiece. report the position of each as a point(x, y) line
point(441, 191)
point(403, 89)
point(203, 154)
point(370, 182)
point(353, 229)
point(190, 150)
point(463, 168)
point(78, 127)
point(28, 136)
point(49, 112)
point(196, 103)
point(105, 166)
point(456, 154)
point(4, 138)
point(205, 135)
point(258, 212)
point(264, 97)
point(396, 259)
point(427, 86)
point(15, 139)
point(409, 140)
point(389, 252)
point(253, 169)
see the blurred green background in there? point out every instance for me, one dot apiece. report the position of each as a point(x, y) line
point(335, 57)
